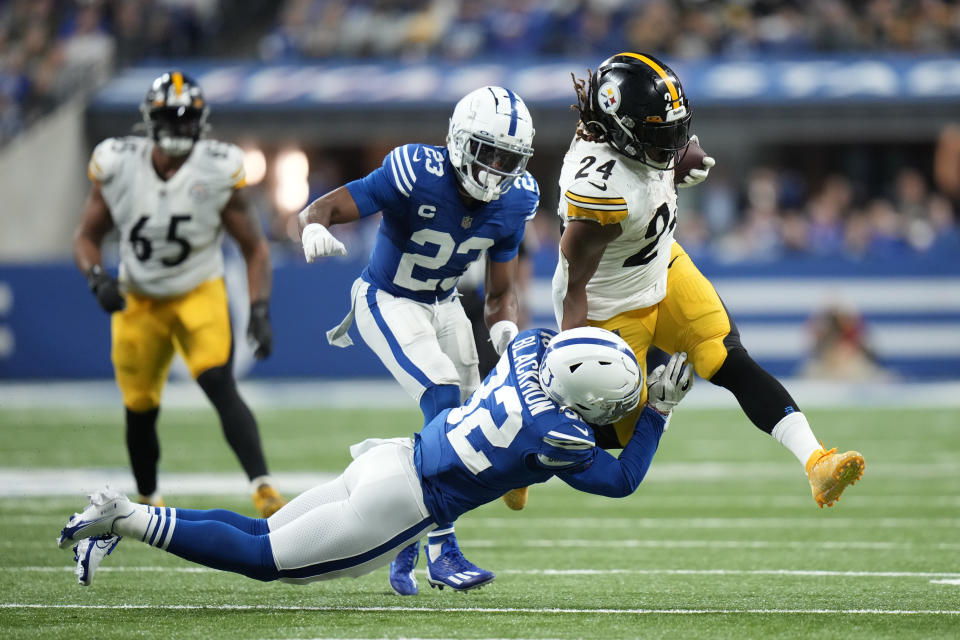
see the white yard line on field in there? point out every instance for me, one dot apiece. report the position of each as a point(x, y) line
point(938, 577)
point(535, 610)
point(384, 393)
point(25, 481)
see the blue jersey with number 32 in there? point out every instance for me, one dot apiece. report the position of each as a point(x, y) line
point(428, 236)
point(509, 434)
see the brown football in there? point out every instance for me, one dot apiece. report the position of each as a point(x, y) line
point(690, 158)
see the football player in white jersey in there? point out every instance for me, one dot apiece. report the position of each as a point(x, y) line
point(170, 195)
point(621, 269)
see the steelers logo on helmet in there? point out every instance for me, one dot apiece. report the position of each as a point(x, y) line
point(609, 97)
point(650, 120)
point(174, 112)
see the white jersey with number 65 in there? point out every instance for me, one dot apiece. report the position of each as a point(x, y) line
point(600, 185)
point(170, 230)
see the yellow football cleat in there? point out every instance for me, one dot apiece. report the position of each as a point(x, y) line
point(152, 500)
point(516, 499)
point(831, 472)
point(267, 500)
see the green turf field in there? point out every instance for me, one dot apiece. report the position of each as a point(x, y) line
point(721, 541)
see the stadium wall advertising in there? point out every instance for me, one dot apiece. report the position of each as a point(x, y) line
point(51, 327)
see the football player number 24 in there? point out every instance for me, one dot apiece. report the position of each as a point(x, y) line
point(446, 247)
point(499, 432)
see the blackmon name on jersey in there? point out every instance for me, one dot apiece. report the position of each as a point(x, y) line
point(600, 185)
point(428, 237)
point(509, 434)
point(170, 230)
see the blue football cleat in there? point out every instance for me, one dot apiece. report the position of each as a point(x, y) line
point(446, 567)
point(89, 553)
point(402, 578)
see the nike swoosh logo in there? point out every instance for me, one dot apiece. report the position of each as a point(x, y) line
point(585, 433)
point(416, 154)
point(601, 187)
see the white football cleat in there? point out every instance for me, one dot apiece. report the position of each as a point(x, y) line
point(106, 507)
point(89, 553)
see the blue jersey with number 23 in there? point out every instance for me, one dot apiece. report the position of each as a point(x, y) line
point(428, 236)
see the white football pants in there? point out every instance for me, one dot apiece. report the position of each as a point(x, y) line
point(422, 345)
point(355, 523)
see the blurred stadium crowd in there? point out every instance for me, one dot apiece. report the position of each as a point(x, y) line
point(674, 28)
point(51, 50)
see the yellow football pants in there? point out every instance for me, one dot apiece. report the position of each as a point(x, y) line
point(690, 318)
point(146, 332)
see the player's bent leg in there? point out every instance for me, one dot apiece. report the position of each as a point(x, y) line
point(771, 408)
point(447, 567)
point(143, 447)
point(240, 430)
point(141, 353)
point(401, 333)
point(382, 513)
point(215, 543)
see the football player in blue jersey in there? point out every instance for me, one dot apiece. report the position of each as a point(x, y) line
point(530, 420)
point(443, 208)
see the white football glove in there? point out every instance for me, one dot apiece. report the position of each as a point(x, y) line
point(502, 334)
point(696, 176)
point(319, 242)
point(669, 383)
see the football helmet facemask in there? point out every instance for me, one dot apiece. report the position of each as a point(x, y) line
point(636, 104)
point(175, 113)
point(592, 371)
point(490, 141)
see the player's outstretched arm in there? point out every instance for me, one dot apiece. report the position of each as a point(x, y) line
point(619, 477)
point(242, 224)
point(94, 225)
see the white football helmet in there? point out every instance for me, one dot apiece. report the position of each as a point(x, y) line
point(592, 371)
point(490, 141)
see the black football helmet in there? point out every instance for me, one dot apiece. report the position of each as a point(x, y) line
point(175, 113)
point(636, 104)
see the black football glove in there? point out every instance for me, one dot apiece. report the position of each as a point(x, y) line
point(259, 332)
point(106, 289)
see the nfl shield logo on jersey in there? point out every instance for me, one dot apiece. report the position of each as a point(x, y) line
point(466, 222)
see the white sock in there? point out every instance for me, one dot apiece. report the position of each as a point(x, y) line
point(137, 523)
point(793, 432)
point(434, 549)
point(258, 482)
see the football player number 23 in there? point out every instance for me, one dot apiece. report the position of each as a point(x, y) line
point(446, 247)
point(143, 248)
point(498, 432)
